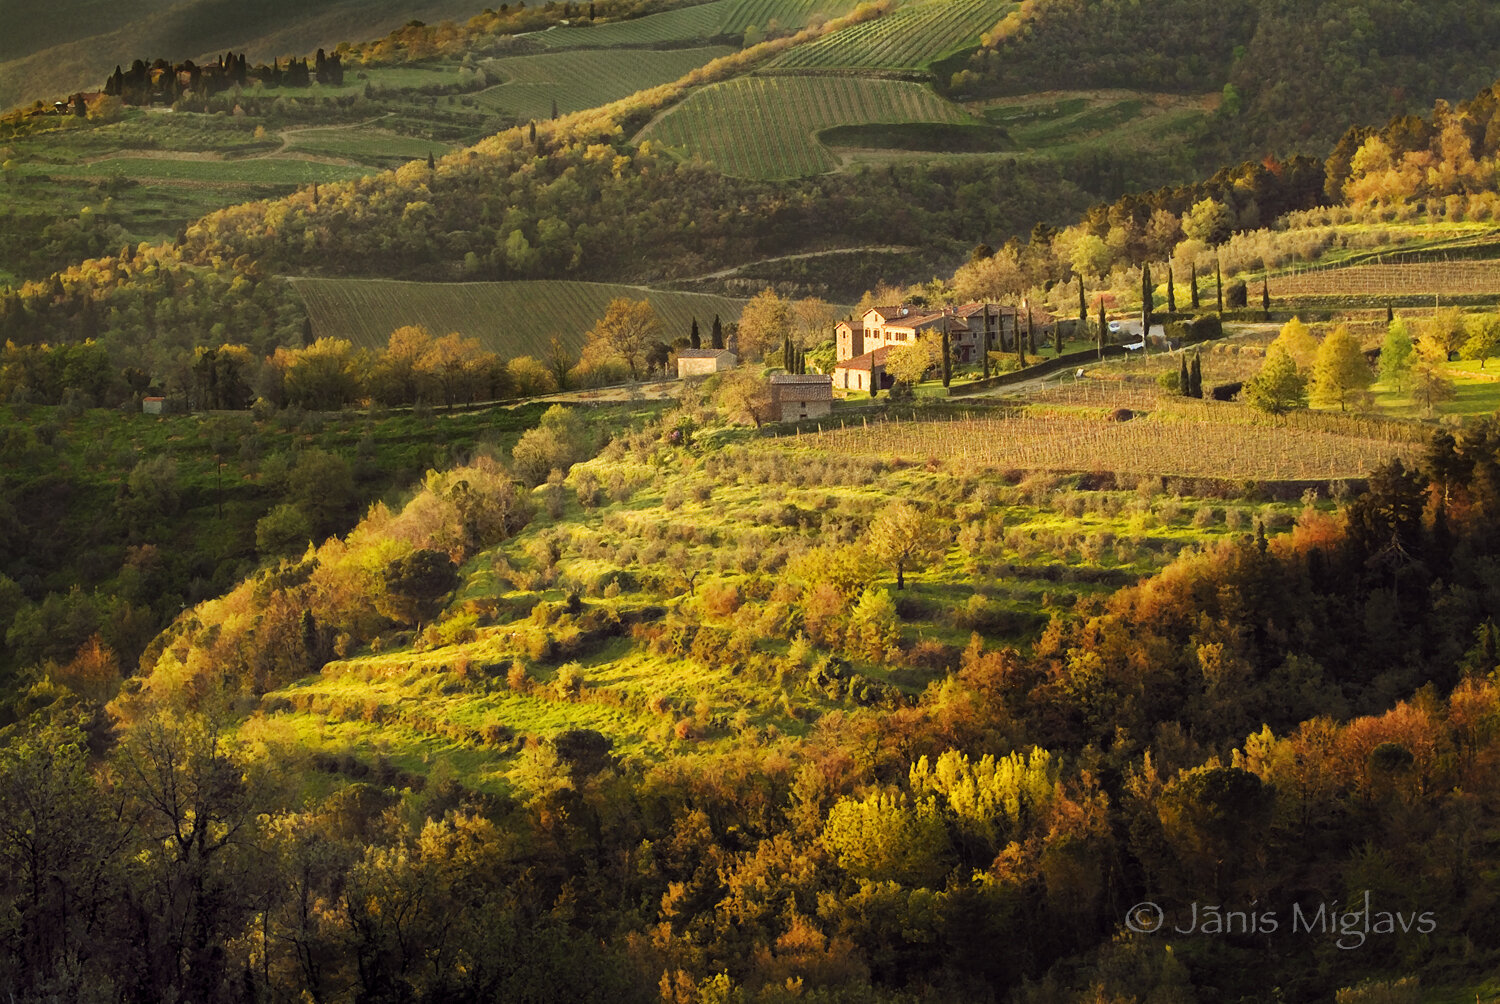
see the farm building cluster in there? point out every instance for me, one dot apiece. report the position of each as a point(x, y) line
point(862, 344)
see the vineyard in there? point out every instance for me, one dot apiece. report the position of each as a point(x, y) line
point(906, 40)
point(581, 79)
point(509, 318)
point(743, 15)
point(1452, 278)
point(1177, 445)
point(685, 24)
point(764, 127)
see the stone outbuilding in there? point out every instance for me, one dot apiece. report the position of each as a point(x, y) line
point(704, 362)
point(800, 395)
point(863, 372)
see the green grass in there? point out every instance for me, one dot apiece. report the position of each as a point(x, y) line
point(1476, 393)
point(254, 171)
point(378, 147)
point(510, 318)
point(581, 79)
point(909, 39)
point(765, 127)
point(1056, 123)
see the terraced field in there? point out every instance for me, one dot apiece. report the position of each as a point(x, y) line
point(909, 39)
point(1455, 278)
point(509, 318)
point(765, 127)
point(580, 79)
point(1058, 120)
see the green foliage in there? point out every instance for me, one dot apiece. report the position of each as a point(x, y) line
point(1340, 373)
point(889, 837)
point(559, 441)
point(1278, 388)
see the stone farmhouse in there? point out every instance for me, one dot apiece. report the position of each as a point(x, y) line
point(864, 371)
point(800, 395)
point(703, 362)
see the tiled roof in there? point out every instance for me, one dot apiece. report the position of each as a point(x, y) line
point(868, 361)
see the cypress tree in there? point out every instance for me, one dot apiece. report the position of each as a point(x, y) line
point(1148, 300)
point(1083, 308)
point(1195, 377)
point(1020, 341)
point(717, 334)
point(1103, 326)
point(984, 344)
point(1390, 315)
point(431, 163)
point(1219, 286)
point(1030, 329)
point(1184, 380)
point(1265, 299)
point(693, 338)
point(554, 109)
point(786, 354)
point(1171, 292)
point(1193, 278)
point(531, 134)
point(947, 355)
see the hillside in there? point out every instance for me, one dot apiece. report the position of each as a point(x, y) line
point(509, 318)
point(52, 49)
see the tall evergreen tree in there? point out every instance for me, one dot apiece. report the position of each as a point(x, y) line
point(947, 354)
point(717, 333)
point(1083, 307)
point(1030, 329)
point(1195, 377)
point(1148, 300)
point(694, 339)
point(1184, 379)
point(1103, 326)
point(1193, 279)
point(1219, 286)
point(984, 344)
point(1265, 299)
point(1171, 292)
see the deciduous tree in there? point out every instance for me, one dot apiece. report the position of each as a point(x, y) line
point(1278, 388)
point(907, 539)
point(1340, 373)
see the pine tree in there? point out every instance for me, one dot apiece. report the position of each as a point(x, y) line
point(1195, 377)
point(717, 334)
point(693, 338)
